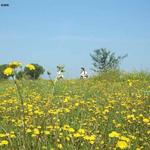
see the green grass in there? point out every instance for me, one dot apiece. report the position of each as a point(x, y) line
point(79, 114)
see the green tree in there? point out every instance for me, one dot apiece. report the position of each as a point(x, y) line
point(34, 74)
point(104, 60)
point(2, 68)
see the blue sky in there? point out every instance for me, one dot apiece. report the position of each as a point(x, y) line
point(51, 32)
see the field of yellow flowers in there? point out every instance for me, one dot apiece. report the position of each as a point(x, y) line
point(92, 114)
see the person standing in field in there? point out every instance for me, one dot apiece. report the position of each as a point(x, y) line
point(83, 74)
point(60, 71)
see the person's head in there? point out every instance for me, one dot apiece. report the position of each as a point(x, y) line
point(82, 68)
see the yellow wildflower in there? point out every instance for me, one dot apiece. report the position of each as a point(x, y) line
point(4, 142)
point(36, 131)
point(49, 127)
point(67, 138)
point(59, 146)
point(47, 132)
point(76, 135)
point(76, 104)
point(92, 137)
point(91, 142)
point(14, 64)
point(138, 148)
point(122, 144)
point(12, 134)
point(2, 135)
point(123, 138)
point(28, 130)
point(82, 131)
point(71, 130)
point(66, 127)
point(145, 120)
point(8, 71)
point(114, 134)
point(118, 125)
point(86, 137)
point(148, 132)
point(30, 67)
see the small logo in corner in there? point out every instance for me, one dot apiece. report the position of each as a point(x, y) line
point(4, 5)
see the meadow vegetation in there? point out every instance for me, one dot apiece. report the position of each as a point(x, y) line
point(106, 112)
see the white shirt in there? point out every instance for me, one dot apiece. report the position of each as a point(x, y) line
point(84, 74)
point(59, 74)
